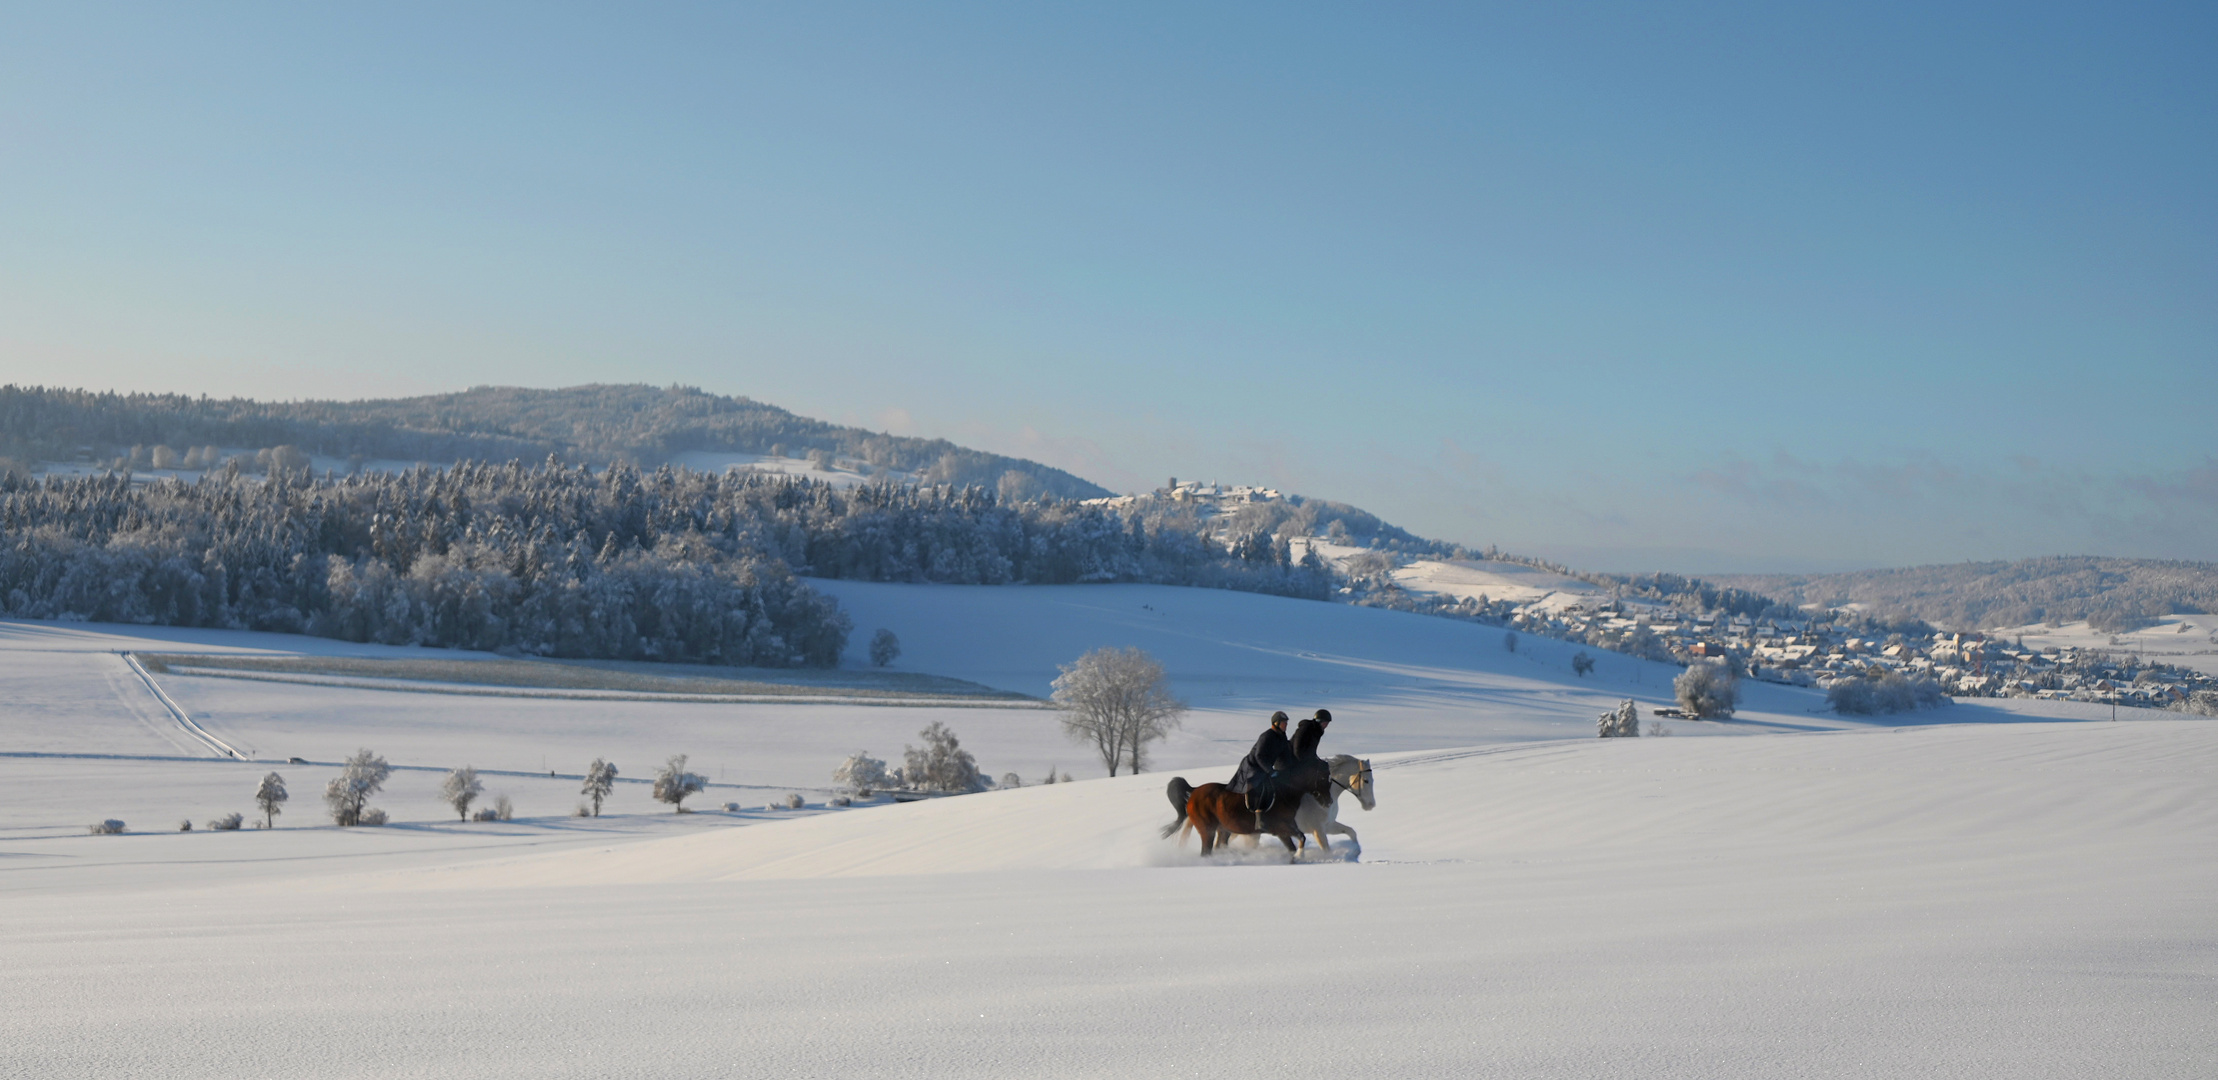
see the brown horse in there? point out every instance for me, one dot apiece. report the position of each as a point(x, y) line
point(1218, 813)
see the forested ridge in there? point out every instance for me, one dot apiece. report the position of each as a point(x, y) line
point(594, 425)
point(2113, 594)
point(561, 560)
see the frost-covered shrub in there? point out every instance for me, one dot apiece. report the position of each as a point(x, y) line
point(226, 823)
point(1581, 663)
point(485, 813)
point(582, 811)
point(502, 808)
point(860, 773)
point(795, 802)
point(941, 764)
point(371, 816)
point(840, 800)
point(1886, 692)
point(1509, 640)
point(1708, 691)
point(185, 825)
point(1010, 780)
point(109, 827)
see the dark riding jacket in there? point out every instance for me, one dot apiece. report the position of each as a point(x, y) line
point(1271, 755)
point(1310, 773)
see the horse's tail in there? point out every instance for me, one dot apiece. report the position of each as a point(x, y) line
point(1179, 792)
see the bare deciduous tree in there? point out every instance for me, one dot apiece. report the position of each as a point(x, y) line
point(673, 783)
point(1708, 691)
point(942, 764)
point(270, 797)
point(460, 789)
point(1117, 701)
point(600, 779)
point(361, 776)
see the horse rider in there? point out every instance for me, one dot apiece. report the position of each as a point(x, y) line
point(1257, 777)
point(1310, 773)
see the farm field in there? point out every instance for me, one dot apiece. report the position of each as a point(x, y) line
point(1926, 894)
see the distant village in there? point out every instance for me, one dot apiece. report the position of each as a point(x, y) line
point(1817, 652)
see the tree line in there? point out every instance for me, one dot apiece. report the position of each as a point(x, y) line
point(570, 561)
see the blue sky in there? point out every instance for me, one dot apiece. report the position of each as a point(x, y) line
point(1706, 288)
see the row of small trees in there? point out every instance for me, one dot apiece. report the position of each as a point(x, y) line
point(364, 773)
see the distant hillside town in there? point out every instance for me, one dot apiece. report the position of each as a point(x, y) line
point(1819, 652)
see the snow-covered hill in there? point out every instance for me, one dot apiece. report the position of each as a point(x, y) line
point(2017, 900)
point(1969, 892)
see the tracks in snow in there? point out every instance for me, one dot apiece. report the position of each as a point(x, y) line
point(177, 712)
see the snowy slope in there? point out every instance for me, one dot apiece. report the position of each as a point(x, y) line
point(1476, 579)
point(1396, 682)
point(1988, 900)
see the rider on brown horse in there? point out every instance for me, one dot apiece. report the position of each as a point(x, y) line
point(1257, 777)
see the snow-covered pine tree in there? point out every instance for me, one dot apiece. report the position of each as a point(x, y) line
point(1622, 722)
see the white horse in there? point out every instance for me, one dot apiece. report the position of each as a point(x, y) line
point(1315, 818)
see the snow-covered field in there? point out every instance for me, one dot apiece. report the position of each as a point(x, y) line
point(2188, 641)
point(1997, 889)
point(1477, 579)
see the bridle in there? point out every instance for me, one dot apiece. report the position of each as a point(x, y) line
point(1363, 775)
